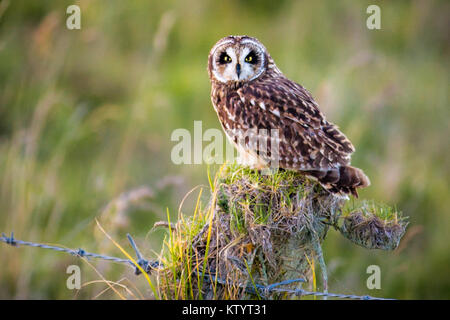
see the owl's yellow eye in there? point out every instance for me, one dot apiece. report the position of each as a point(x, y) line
point(251, 58)
point(224, 58)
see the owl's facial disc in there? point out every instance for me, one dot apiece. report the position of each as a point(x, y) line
point(238, 61)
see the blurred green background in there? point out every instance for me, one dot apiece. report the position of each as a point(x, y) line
point(86, 118)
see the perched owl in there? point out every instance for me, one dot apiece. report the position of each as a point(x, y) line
point(253, 99)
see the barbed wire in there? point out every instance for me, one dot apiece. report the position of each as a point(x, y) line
point(148, 266)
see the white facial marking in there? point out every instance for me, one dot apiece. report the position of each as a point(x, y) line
point(250, 41)
point(244, 53)
point(230, 51)
point(213, 50)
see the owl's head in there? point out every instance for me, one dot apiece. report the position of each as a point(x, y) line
point(237, 59)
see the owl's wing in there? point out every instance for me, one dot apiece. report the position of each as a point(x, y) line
point(307, 140)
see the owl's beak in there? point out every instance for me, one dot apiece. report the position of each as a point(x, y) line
point(238, 70)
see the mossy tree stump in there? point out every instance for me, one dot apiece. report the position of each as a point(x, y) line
point(261, 229)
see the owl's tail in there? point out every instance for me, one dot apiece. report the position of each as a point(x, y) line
point(344, 179)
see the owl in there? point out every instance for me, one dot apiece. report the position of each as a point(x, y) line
point(267, 116)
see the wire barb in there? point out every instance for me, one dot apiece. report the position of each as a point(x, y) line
point(9, 240)
point(148, 266)
point(81, 253)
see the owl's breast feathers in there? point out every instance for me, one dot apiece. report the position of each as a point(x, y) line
point(307, 141)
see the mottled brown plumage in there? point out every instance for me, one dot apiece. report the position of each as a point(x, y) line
point(251, 97)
